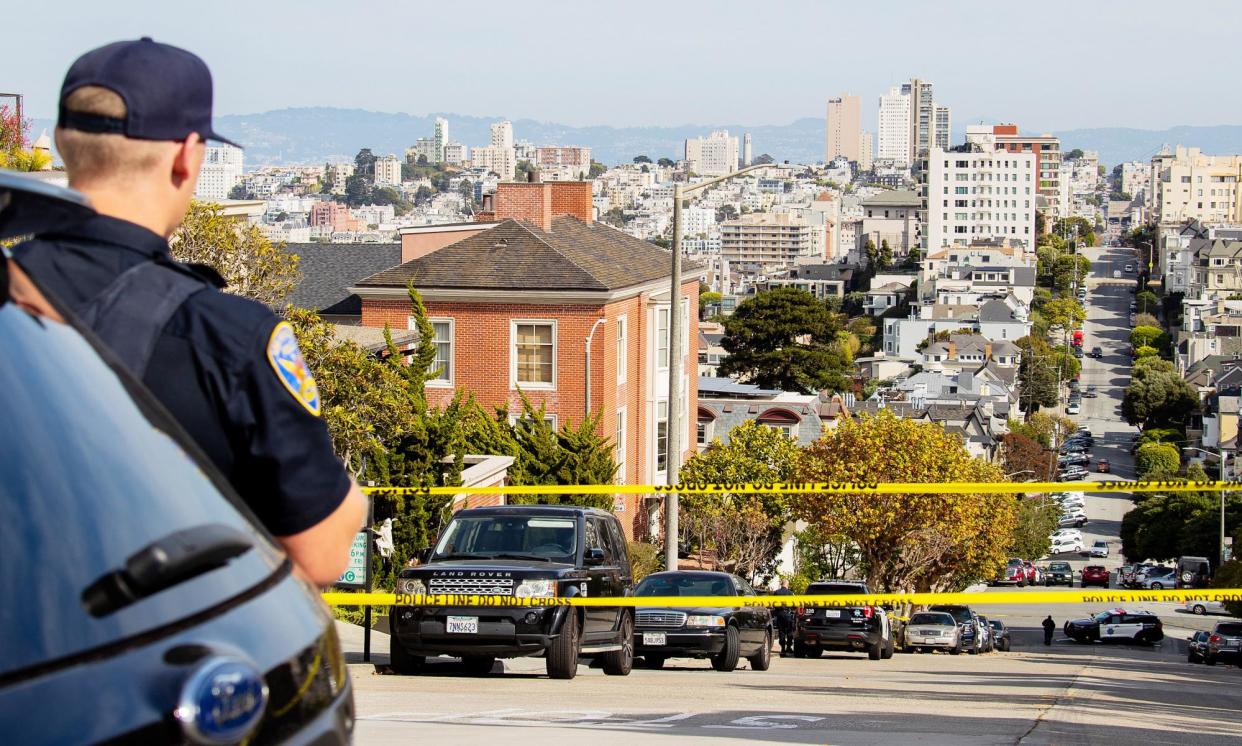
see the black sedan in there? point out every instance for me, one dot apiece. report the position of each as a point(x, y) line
point(722, 634)
point(1000, 635)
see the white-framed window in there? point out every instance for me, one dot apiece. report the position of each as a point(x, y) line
point(443, 340)
point(662, 317)
point(623, 347)
point(661, 439)
point(548, 418)
point(532, 353)
point(621, 446)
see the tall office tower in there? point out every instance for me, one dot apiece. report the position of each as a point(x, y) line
point(844, 127)
point(894, 127)
point(440, 138)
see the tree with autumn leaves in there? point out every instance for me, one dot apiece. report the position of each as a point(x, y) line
point(908, 542)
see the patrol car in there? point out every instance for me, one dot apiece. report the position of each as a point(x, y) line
point(1116, 625)
point(147, 605)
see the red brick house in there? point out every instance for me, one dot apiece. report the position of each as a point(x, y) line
point(533, 300)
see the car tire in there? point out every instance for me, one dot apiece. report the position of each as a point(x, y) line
point(401, 661)
point(1005, 646)
point(1157, 586)
point(621, 662)
point(875, 650)
point(1209, 660)
point(762, 660)
point(799, 650)
point(889, 648)
point(1191, 657)
point(726, 659)
point(1199, 609)
point(478, 665)
point(814, 651)
point(654, 662)
point(956, 649)
point(562, 660)
point(909, 649)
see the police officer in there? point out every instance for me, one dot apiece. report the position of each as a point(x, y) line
point(1049, 627)
point(133, 121)
point(785, 621)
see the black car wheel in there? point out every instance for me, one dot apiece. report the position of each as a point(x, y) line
point(956, 649)
point(1157, 586)
point(478, 665)
point(875, 650)
point(889, 648)
point(621, 662)
point(761, 660)
point(654, 662)
point(1191, 657)
point(1209, 659)
point(726, 659)
point(400, 660)
point(562, 661)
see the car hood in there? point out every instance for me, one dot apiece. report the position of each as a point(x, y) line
point(474, 567)
point(715, 610)
point(1081, 622)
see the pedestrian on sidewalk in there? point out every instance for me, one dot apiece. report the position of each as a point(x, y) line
point(1049, 627)
point(785, 621)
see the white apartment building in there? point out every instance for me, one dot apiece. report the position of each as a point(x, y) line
point(942, 126)
point(697, 220)
point(844, 129)
point(1136, 179)
point(456, 154)
point(222, 170)
point(423, 147)
point(759, 240)
point(1189, 185)
point(439, 138)
point(337, 173)
point(388, 171)
point(568, 161)
point(979, 195)
point(894, 127)
point(714, 155)
point(500, 157)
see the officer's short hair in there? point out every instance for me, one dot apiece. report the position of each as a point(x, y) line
point(91, 156)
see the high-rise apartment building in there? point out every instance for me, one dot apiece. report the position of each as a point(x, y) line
point(1047, 151)
point(894, 127)
point(222, 170)
point(502, 134)
point(388, 171)
point(1187, 184)
point(979, 193)
point(440, 138)
point(499, 157)
point(563, 162)
point(865, 150)
point(762, 239)
point(911, 123)
point(456, 154)
point(714, 155)
point(844, 128)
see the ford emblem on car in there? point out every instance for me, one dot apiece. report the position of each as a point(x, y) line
point(222, 701)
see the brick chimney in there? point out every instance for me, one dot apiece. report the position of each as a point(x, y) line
point(987, 350)
point(539, 202)
point(952, 355)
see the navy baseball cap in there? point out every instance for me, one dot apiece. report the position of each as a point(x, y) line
point(167, 91)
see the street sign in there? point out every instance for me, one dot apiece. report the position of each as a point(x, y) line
point(355, 575)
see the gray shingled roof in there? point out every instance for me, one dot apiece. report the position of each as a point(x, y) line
point(328, 269)
point(994, 311)
point(517, 255)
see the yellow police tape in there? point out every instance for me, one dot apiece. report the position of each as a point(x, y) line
point(874, 599)
point(810, 488)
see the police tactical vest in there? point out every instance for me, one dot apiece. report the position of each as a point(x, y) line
point(129, 314)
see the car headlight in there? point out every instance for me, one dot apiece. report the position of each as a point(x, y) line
point(544, 588)
point(705, 620)
point(412, 587)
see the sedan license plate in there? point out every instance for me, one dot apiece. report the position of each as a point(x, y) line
point(654, 638)
point(462, 625)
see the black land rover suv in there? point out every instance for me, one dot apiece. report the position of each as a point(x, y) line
point(855, 628)
point(520, 551)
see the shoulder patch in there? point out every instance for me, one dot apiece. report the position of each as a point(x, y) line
point(291, 368)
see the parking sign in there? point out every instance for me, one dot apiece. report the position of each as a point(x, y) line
point(355, 575)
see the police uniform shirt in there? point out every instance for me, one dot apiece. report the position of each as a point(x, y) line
point(225, 367)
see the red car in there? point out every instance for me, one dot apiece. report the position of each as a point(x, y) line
point(1095, 575)
point(1032, 575)
point(1015, 573)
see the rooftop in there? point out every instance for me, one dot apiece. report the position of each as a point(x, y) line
point(894, 198)
point(329, 270)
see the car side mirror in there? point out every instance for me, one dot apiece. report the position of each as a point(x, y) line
point(593, 556)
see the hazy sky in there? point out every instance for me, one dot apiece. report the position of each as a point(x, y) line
point(1046, 65)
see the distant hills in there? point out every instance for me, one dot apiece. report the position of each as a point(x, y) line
point(319, 134)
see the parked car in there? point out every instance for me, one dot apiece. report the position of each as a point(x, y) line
point(1103, 466)
point(1015, 572)
point(1125, 574)
point(1072, 459)
point(1117, 625)
point(1099, 548)
point(851, 628)
point(723, 635)
point(1129, 268)
point(1000, 635)
point(985, 631)
point(1077, 521)
point(1072, 474)
point(1203, 606)
point(1142, 569)
point(1224, 644)
point(1073, 407)
point(520, 551)
point(967, 623)
point(1193, 572)
point(1196, 646)
point(1032, 573)
point(933, 630)
point(1066, 545)
point(1092, 391)
point(158, 591)
point(1157, 580)
point(1059, 573)
point(1095, 575)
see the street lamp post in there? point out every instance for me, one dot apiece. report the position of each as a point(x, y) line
point(673, 446)
point(1221, 455)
